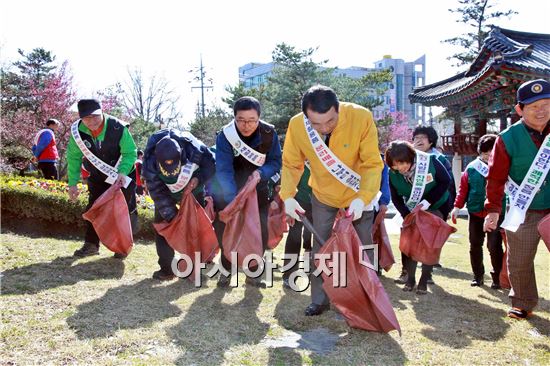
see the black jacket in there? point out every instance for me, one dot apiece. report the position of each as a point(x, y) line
point(191, 150)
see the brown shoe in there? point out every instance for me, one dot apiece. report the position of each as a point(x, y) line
point(87, 250)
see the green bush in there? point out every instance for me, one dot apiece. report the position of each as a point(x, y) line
point(25, 198)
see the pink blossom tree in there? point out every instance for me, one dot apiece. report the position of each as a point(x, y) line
point(30, 97)
point(394, 126)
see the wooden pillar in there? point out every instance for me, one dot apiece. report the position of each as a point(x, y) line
point(481, 127)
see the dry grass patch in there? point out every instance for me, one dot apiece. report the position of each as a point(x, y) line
point(99, 310)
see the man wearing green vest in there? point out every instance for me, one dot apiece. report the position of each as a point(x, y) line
point(472, 193)
point(109, 154)
point(521, 161)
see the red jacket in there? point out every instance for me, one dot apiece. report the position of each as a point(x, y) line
point(44, 147)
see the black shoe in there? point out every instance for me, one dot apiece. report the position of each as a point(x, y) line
point(316, 309)
point(163, 276)
point(120, 255)
point(495, 286)
point(87, 250)
point(256, 282)
point(408, 287)
point(223, 281)
point(477, 282)
point(422, 288)
point(402, 279)
point(437, 265)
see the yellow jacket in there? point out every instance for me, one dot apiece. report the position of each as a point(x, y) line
point(354, 141)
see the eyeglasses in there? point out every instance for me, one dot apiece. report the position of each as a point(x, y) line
point(249, 122)
point(420, 137)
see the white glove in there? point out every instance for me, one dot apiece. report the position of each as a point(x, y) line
point(454, 214)
point(424, 205)
point(356, 208)
point(291, 206)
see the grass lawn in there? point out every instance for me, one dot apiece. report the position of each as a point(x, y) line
point(60, 310)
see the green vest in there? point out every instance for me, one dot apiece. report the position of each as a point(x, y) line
point(404, 188)
point(476, 190)
point(522, 151)
point(304, 190)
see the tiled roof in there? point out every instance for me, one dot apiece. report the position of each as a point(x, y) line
point(521, 52)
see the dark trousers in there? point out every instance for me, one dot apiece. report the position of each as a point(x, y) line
point(49, 170)
point(219, 228)
point(410, 264)
point(494, 244)
point(296, 235)
point(164, 250)
point(323, 220)
point(96, 188)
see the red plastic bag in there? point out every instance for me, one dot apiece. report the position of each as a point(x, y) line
point(276, 223)
point(111, 220)
point(190, 232)
point(423, 235)
point(243, 234)
point(380, 237)
point(209, 209)
point(503, 276)
point(362, 299)
point(544, 230)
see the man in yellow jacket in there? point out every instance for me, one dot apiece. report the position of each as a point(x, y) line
point(340, 141)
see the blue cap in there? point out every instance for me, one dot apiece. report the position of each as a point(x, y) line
point(533, 90)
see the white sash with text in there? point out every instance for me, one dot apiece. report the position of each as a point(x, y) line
point(253, 156)
point(419, 180)
point(337, 168)
point(109, 171)
point(184, 177)
point(522, 197)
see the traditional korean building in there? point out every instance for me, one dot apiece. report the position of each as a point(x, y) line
point(486, 92)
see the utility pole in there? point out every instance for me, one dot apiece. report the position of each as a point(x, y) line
point(201, 77)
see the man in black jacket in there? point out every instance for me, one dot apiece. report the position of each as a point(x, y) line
point(172, 162)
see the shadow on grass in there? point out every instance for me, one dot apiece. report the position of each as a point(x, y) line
point(353, 345)
point(128, 307)
point(453, 273)
point(211, 327)
point(289, 313)
point(38, 277)
point(455, 320)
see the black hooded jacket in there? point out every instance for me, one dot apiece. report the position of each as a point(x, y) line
point(192, 150)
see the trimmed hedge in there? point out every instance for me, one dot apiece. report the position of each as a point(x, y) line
point(28, 201)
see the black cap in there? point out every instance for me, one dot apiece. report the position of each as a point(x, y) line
point(88, 107)
point(168, 153)
point(533, 90)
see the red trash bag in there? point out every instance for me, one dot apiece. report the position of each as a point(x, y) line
point(190, 232)
point(276, 223)
point(243, 233)
point(503, 276)
point(544, 230)
point(209, 209)
point(362, 299)
point(423, 235)
point(380, 236)
point(111, 220)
